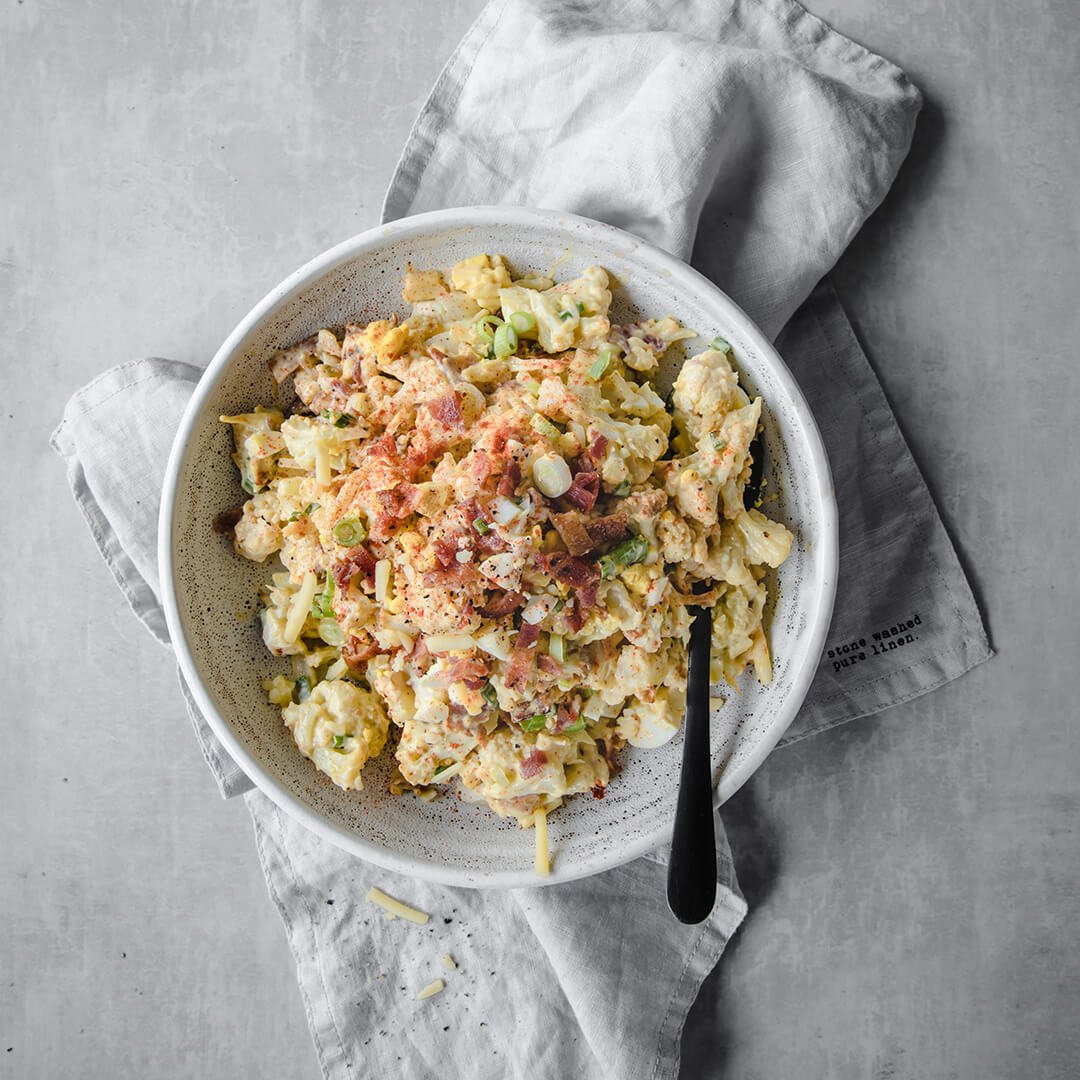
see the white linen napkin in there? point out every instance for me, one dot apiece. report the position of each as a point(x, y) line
point(755, 140)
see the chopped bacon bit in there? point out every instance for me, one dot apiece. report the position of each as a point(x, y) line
point(501, 603)
point(356, 652)
point(359, 561)
point(524, 656)
point(470, 670)
point(598, 789)
point(446, 549)
point(549, 665)
point(384, 446)
point(227, 520)
point(575, 617)
point(570, 570)
point(533, 763)
point(567, 715)
point(447, 409)
point(587, 595)
point(584, 490)
point(400, 501)
point(510, 479)
point(574, 532)
point(598, 448)
point(605, 530)
point(491, 543)
point(458, 574)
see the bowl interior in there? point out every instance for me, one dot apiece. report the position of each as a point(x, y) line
point(211, 594)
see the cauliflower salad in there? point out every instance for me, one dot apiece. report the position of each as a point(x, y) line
point(490, 528)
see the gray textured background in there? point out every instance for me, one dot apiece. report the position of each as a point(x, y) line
point(914, 878)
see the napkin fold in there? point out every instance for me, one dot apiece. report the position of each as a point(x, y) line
point(753, 140)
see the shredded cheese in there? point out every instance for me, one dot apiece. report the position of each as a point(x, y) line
point(448, 772)
point(395, 908)
point(447, 962)
point(322, 464)
point(441, 643)
point(301, 606)
point(431, 989)
point(542, 860)
point(382, 579)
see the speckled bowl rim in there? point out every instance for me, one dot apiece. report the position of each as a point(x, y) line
point(510, 217)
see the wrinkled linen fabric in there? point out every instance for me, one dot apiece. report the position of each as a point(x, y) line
point(752, 140)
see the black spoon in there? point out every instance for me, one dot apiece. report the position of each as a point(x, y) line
point(691, 883)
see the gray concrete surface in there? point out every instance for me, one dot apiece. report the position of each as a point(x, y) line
point(914, 878)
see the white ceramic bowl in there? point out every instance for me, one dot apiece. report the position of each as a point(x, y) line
point(210, 594)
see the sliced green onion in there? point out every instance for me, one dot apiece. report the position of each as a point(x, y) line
point(532, 386)
point(542, 425)
point(247, 483)
point(330, 632)
point(720, 345)
point(577, 725)
point(482, 324)
point(344, 420)
point(523, 321)
point(303, 513)
point(322, 606)
point(564, 315)
point(440, 769)
point(489, 695)
point(580, 308)
point(535, 723)
point(350, 532)
point(302, 688)
point(339, 743)
point(559, 605)
point(719, 442)
point(601, 363)
point(557, 647)
point(632, 550)
point(621, 489)
point(505, 342)
point(481, 526)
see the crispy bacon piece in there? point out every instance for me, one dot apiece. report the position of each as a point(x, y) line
point(470, 670)
point(598, 448)
point(501, 603)
point(358, 561)
point(491, 543)
point(607, 529)
point(533, 763)
point(582, 536)
point(571, 527)
point(583, 490)
point(523, 657)
point(453, 576)
point(446, 549)
point(447, 409)
point(356, 652)
point(509, 480)
point(567, 715)
point(549, 665)
point(598, 790)
point(570, 569)
point(384, 446)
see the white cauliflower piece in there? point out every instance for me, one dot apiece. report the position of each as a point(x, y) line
point(340, 727)
point(481, 277)
point(258, 442)
point(257, 534)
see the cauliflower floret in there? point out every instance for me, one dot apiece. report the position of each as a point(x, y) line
point(419, 285)
point(706, 389)
point(258, 441)
point(568, 314)
point(481, 277)
point(646, 341)
point(653, 723)
point(339, 727)
point(425, 748)
point(257, 534)
point(632, 449)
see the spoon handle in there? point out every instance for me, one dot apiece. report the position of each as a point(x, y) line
point(691, 884)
